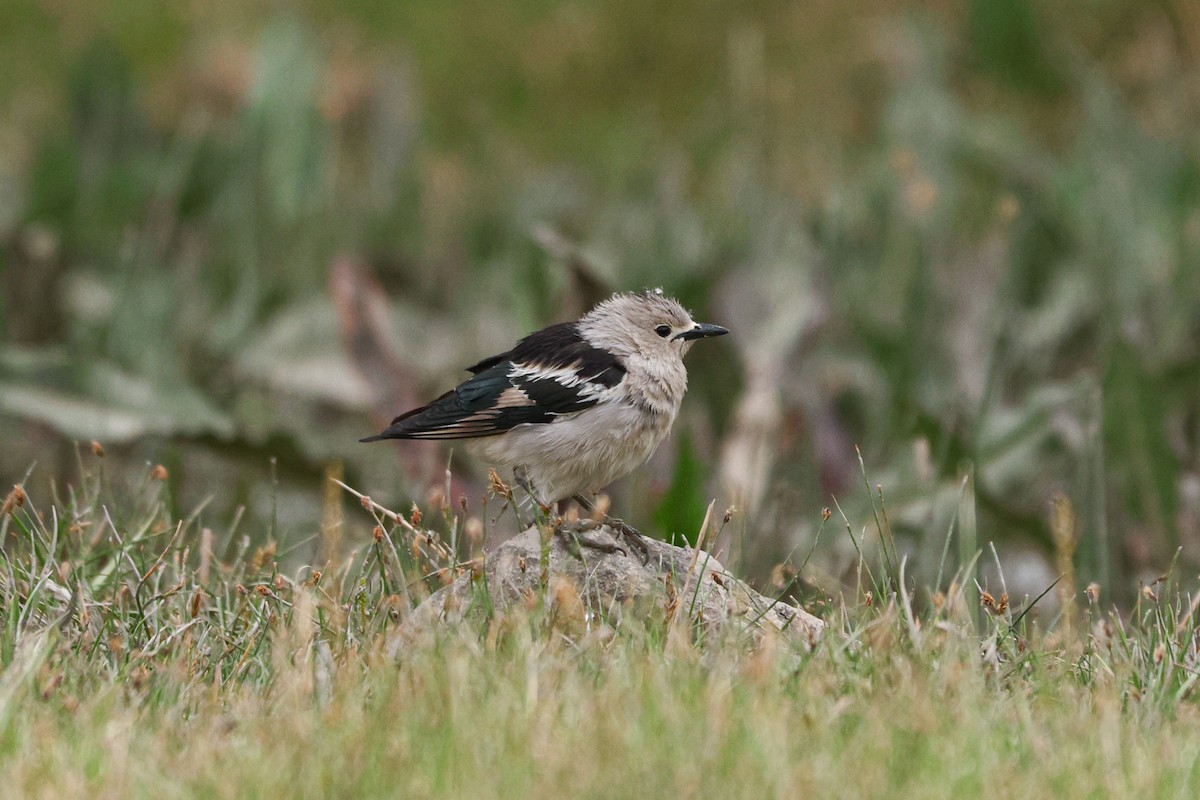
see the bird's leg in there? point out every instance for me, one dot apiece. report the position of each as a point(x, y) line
point(541, 519)
point(569, 532)
point(628, 532)
point(522, 479)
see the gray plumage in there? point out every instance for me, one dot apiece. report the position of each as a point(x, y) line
point(576, 405)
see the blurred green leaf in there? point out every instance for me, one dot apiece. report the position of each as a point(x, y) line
point(1135, 413)
point(299, 353)
point(681, 511)
point(1006, 40)
point(102, 401)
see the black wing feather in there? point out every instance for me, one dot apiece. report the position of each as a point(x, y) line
point(480, 406)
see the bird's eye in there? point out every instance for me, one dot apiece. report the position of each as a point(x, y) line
point(663, 330)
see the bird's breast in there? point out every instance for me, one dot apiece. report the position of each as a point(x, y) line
point(656, 385)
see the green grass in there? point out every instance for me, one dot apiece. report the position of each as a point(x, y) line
point(967, 233)
point(138, 664)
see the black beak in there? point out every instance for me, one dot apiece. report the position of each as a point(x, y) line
point(702, 331)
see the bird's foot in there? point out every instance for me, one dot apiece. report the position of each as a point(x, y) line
point(632, 537)
point(628, 532)
point(571, 534)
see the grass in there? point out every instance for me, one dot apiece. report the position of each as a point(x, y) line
point(966, 246)
point(145, 658)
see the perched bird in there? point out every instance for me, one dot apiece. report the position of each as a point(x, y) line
point(574, 406)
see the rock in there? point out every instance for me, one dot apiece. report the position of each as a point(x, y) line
point(611, 584)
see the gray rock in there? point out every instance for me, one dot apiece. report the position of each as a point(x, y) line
point(602, 586)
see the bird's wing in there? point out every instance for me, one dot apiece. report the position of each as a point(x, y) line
point(548, 374)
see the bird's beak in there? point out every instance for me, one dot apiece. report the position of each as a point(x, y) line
point(702, 331)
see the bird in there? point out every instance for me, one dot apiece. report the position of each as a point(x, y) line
point(574, 406)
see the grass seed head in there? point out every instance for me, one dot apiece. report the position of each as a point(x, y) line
point(782, 575)
point(48, 687)
point(497, 486)
point(159, 473)
point(15, 499)
point(567, 604)
point(437, 497)
point(261, 556)
point(672, 603)
point(97, 449)
point(415, 516)
point(996, 606)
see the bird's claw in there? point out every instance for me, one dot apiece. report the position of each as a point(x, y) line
point(570, 532)
point(631, 535)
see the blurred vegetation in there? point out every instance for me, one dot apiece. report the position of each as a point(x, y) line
point(963, 238)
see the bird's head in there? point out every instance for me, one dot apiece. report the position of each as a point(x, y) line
point(647, 323)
